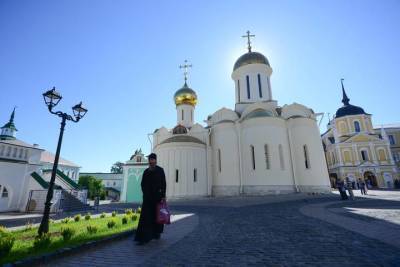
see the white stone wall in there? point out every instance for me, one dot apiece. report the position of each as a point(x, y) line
point(188, 115)
point(184, 157)
point(304, 131)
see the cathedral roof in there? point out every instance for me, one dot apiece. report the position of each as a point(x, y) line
point(347, 108)
point(185, 95)
point(251, 58)
point(182, 138)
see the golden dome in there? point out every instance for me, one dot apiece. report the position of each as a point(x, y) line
point(185, 95)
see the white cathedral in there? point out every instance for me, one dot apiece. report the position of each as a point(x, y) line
point(257, 148)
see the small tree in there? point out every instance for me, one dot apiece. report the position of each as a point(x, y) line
point(92, 184)
point(117, 167)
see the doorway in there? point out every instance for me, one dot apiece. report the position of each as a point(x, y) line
point(370, 179)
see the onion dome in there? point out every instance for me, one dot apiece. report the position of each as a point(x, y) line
point(179, 129)
point(251, 58)
point(347, 108)
point(185, 95)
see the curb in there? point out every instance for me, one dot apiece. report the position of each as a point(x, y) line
point(45, 258)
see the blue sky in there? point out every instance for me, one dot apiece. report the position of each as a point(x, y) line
point(121, 59)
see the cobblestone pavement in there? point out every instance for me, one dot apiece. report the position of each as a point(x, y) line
point(265, 232)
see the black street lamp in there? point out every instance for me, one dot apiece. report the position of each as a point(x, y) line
point(51, 98)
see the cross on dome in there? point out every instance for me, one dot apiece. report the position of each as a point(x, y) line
point(248, 36)
point(185, 66)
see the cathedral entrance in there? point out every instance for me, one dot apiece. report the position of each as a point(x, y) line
point(370, 179)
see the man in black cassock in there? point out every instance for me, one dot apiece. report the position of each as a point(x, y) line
point(153, 188)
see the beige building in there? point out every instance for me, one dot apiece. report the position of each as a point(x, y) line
point(392, 133)
point(354, 149)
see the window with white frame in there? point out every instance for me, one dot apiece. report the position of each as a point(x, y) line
point(364, 155)
point(391, 139)
point(357, 127)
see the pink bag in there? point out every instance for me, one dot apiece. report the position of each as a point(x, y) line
point(163, 214)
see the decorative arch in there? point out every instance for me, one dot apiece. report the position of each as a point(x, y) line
point(382, 154)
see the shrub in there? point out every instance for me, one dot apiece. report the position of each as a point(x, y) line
point(91, 229)
point(103, 215)
point(87, 216)
point(124, 220)
point(111, 224)
point(139, 210)
point(67, 233)
point(3, 230)
point(65, 220)
point(6, 243)
point(129, 212)
point(42, 241)
point(114, 213)
point(134, 217)
point(77, 217)
point(28, 226)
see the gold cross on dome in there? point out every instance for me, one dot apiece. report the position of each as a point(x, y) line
point(185, 66)
point(248, 36)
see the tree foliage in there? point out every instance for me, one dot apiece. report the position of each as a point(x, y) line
point(93, 185)
point(117, 167)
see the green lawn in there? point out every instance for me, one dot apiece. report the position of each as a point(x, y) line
point(23, 245)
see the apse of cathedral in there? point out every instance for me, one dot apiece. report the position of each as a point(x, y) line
point(258, 147)
point(357, 151)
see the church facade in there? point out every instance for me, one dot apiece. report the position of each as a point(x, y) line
point(259, 147)
point(355, 150)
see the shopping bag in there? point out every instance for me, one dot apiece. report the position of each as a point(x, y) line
point(163, 213)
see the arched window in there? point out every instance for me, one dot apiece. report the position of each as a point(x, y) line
point(306, 157)
point(248, 86)
point(5, 192)
point(364, 155)
point(195, 175)
point(182, 115)
point(253, 160)
point(382, 155)
point(259, 85)
point(356, 126)
point(219, 160)
point(281, 160)
point(267, 163)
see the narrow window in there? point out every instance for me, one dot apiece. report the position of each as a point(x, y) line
point(191, 114)
point(357, 126)
point(253, 161)
point(306, 158)
point(259, 85)
point(391, 139)
point(219, 160)
point(248, 86)
point(364, 155)
point(281, 160)
point(195, 175)
point(176, 176)
point(266, 156)
point(182, 114)
point(238, 86)
point(5, 192)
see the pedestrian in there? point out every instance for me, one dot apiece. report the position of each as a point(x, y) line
point(362, 186)
point(153, 187)
point(350, 188)
point(341, 188)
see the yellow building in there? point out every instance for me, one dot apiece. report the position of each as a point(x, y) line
point(354, 149)
point(392, 133)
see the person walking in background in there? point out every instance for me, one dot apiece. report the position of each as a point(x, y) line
point(154, 188)
point(362, 186)
point(349, 185)
point(341, 188)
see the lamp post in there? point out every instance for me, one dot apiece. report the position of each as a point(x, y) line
point(51, 98)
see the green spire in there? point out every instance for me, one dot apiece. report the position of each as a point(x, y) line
point(8, 130)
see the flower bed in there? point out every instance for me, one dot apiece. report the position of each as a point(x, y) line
point(62, 234)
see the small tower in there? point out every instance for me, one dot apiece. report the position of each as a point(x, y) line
point(251, 74)
point(185, 101)
point(8, 131)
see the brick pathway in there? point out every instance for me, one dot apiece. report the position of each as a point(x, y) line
point(254, 231)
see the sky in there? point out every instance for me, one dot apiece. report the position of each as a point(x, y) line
point(121, 59)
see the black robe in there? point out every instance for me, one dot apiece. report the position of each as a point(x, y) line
point(153, 188)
